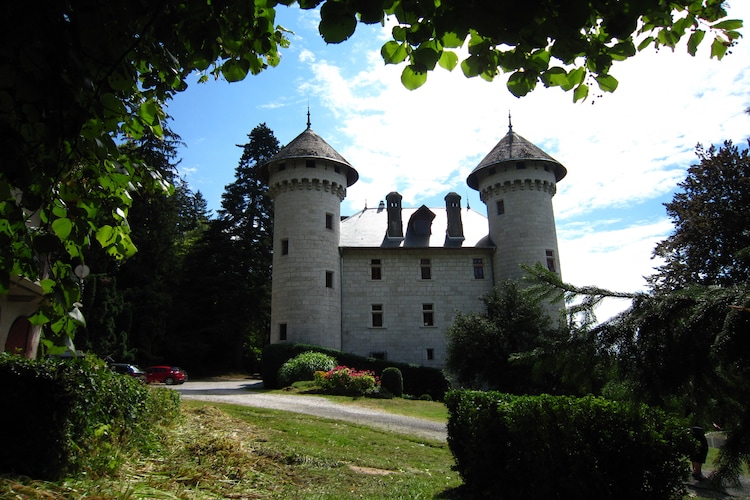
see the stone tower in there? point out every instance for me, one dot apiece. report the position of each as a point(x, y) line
point(307, 181)
point(516, 181)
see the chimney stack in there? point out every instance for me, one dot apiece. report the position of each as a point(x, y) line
point(395, 224)
point(453, 210)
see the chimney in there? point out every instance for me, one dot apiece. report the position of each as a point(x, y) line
point(453, 210)
point(395, 225)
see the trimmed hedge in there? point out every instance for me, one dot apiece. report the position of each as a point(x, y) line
point(303, 367)
point(418, 380)
point(65, 416)
point(540, 447)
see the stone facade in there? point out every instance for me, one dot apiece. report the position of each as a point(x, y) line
point(387, 282)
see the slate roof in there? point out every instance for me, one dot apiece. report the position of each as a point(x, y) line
point(513, 147)
point(367, 229)
point(310, 145)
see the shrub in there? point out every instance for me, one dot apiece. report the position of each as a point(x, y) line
point(76, 415)
point(347, 381)
point(393, 381)
point(562, 447)
point(303, 366)
point(417, 379)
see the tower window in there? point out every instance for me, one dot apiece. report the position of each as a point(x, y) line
point(478, 269)
point(285, 246)
point(282, 167)
point(329, 221)
point(377, 315)
point(337, 169)
point(551, 261)
point(491, 171)
point(430, 354)
point(500, 207)
point(282, 331)
point(329, 279)
point(520, 165)
point(425, 269)
point(376, 269)
point(428, 315)
point(310, 163)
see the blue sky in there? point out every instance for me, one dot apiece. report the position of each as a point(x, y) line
point(625, 152)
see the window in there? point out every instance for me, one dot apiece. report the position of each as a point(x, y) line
point(376, 269)
point(426, 269)
point(379, 355)
point(329, 221)
point(478, 269)
point(282, 331)
point(491, 171)
point(310, 163)
point(329, 279)
point(284, 246)
point(282, 167)
point(500, 207)
point(520, 165)
point(428, 315)
point(430, 354)
point(377, 315)
point(551, 260)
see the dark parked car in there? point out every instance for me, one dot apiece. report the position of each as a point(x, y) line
point(128, 369)
point(169, 375)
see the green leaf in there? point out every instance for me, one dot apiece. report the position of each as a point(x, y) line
point(149, 112)
point(539, 60)
point(62, 228)
point(451, 40)
point(235, 70)
point(337, 22)
point(520, 84)
point(607, 83)
point(718, 48)
point(695, 39)
point(576, 76)
point(393, 52)
point(580, 93)
point(425, 56)
point(471, 66)
point(729, 24)
point(413, 79)
point(106, 235)
point(448, 60)
point(557, 77)
point(645, 43)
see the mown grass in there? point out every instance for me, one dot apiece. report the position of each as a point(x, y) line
point(226, 451)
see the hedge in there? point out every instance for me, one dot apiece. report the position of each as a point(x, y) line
point(418, 380)
point(66, 416)
point(540, 447)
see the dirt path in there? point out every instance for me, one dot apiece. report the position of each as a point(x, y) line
point(245, 392)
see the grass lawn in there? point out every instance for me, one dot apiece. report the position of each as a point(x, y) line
point(229, 451)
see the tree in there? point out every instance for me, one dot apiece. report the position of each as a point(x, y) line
point(485, 351)
point(235, 252)
point(96, 73)
point(711, 241)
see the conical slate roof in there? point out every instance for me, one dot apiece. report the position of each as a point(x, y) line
point(514, 148)
point(310, 145)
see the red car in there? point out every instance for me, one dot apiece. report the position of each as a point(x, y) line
point(169, 375)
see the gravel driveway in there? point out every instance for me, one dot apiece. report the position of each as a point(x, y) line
point(245, 392)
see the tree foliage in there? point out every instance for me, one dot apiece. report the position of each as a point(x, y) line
point(96, 73)
point(481, 347)
point(570, 45)
point(711, 241)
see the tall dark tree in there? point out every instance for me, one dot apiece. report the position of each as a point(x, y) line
point(225, 292)
point(711, 241)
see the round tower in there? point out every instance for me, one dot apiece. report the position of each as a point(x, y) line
point(516, 181)
point(307, 181)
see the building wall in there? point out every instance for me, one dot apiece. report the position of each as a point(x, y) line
point(300, 298)
point(402, 293)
